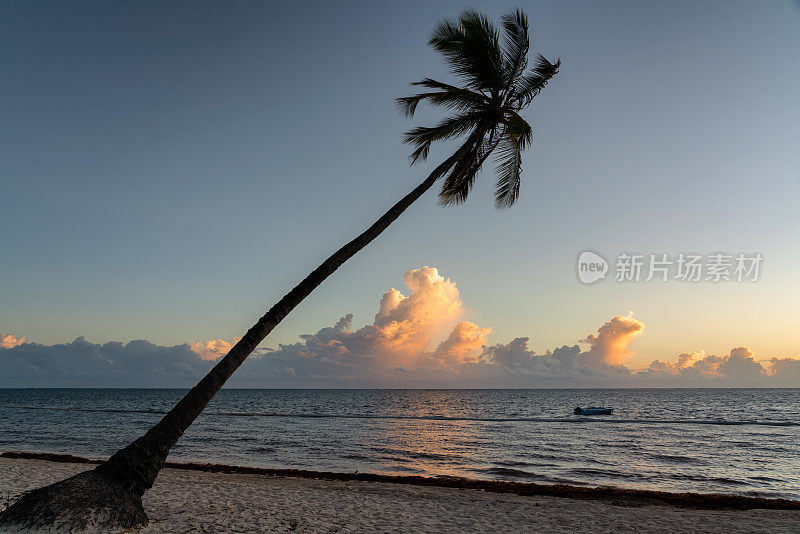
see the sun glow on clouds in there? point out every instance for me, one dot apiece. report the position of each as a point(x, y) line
point(396, 350)
point(402, 331)
point(406, 325)
point(8, 341)
point(464, 343)
point(610, 345)
point(399, 341)
point(213, 349)
point(415, 340)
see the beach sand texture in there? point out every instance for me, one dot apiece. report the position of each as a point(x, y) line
point(196, 501)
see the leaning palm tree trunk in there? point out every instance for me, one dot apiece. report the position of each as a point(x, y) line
point(110, 495)
point(141, 461)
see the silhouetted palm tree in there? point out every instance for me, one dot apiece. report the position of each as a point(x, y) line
point(485, 111)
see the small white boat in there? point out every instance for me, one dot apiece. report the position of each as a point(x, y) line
point(594, 410)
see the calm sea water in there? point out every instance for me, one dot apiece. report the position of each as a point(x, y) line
point(741, 441)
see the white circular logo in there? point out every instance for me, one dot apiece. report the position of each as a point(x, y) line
point(591, 267)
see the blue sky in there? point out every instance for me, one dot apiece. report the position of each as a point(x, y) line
point(169, 170)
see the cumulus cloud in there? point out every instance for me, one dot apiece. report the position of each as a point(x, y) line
point(785, 371)
point(414, 340)
point(404, 326)
point(684, 360)
point(8, 341)
point(464, 343)
point(610, 346)
point(608, 350)
point(740, 364)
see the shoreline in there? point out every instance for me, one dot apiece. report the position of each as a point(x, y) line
point(605, 494)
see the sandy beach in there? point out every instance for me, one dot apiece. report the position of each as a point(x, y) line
point(196, 501)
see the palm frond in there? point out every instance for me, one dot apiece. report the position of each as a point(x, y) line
point(472, 48)
point(433, 84)
point(516, 136)
point(532, 83)
point(515, 45)
point(509, 171)
point(459, 182)
point(456, 99)
point(423, 136)
point(518, 128)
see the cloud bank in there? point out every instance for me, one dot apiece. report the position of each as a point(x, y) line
point(113, 364)
point(414, 340)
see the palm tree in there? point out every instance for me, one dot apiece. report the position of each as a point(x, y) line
point(497, 86)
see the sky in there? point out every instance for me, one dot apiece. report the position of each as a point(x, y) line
point(170, 170)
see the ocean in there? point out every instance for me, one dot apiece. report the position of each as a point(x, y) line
point(734, 441)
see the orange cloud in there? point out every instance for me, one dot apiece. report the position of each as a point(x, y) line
point(403, 330)
point(9, 341)
point(610, 345)
point(406, 325)
point(213, 349)
point(464, 344)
